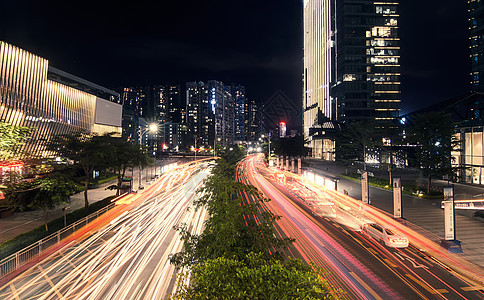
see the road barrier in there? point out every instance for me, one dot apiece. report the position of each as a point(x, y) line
point(14, 261)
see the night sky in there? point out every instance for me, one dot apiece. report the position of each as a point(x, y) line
point(255, 43)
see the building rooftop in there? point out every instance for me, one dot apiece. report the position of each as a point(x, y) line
point(57, 75)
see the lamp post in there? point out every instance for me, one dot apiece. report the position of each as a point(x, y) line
point(195, 148)
point(152, 128)
point(269, 139)
point(218, 139)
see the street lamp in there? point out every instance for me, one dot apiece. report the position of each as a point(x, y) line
point(269, 138)
point(152, 128)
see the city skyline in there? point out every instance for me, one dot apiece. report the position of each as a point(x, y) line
point(161, 48)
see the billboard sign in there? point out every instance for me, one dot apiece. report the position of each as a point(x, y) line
point(365, 189)
point(449, 214)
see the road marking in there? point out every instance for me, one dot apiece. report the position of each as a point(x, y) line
point(14, 291)
point(425, 286)
point(472, 288)
point(369, 289)
point(372, 251)
point(390, 263)
point(415, 264)
point(50, 282)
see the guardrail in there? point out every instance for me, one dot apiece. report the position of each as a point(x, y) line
point(14, 261)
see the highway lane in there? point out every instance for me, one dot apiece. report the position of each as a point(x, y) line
point(123, 256)
point(410, 272)
point(345, 273)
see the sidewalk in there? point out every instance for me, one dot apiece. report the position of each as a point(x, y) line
point(426, 214)
point(22, 222)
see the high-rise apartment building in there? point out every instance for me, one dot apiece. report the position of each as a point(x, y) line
point(200, 116)
point(160, 104)
point(227, 137)
point(238, 93)
point(216, 94)
point(254, 122)
point(476, 27)
point(351, 66)
point(210, 113)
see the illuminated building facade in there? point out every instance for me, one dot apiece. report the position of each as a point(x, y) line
point(216, 94)
point(227, 136)
point(200, 117)
point(351, 66)
point(238, 92)
point(53, 102)
point(254, 122)
point(476, 27)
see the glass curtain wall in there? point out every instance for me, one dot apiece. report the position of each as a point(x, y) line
point(471, 158)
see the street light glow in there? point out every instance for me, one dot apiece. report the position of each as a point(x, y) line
point(153, 127)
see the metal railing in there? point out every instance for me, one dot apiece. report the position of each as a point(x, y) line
point(14, 261)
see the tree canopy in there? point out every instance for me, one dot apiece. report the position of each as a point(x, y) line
point(90, 151)
point(254, 278)
point(433, 134)
point(11, 139)
point(357, 140)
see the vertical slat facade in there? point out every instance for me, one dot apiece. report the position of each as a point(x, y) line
point(28, 98)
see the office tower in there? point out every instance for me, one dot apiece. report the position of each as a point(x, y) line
point(238, 93)
point(476, 27)
point(351, 66)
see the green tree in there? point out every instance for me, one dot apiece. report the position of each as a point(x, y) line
point(90, 151)
point(18, 192)
point(53, 190)
point(126, 155)
point(233, 154)
point(43, 193)
point(433, 133)
point(253, 278)
point(357, 140)
point(11, 138)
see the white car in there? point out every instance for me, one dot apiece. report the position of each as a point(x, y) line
point(385, 235)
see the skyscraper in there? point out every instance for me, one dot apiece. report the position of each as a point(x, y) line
point(476, 27)
point(253, 120)
point(228, 117)
point(238, 93)
point(200, 114)
point(351, 66)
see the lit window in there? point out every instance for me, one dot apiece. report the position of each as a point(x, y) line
point(349, 77)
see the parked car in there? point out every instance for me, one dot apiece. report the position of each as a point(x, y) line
point(385, 235)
